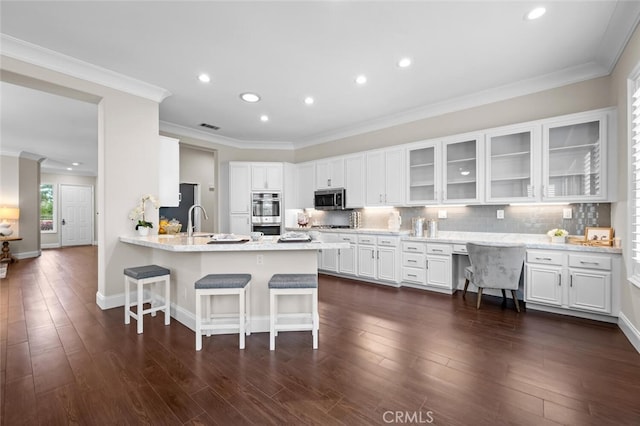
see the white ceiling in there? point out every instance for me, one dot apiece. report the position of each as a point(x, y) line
point(464, 54)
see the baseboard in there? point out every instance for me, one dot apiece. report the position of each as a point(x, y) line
point(27, 254)
point(109, 302)
point(630, 331)
point(50, 246)
point(572, 313)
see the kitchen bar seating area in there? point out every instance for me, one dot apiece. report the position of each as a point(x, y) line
point(382, 350)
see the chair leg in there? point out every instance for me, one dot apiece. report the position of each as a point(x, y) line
point(127, 300)
point(247, 311)
point(140, 307)
point(466, 285)
point(504, 298)
point(198, 321)
point(479, 297)
point(272, 321)
point(315, 318)
point(515, 300)
point(241, 318)
point(167, 302)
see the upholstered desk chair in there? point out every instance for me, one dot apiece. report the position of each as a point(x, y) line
point(495, 266)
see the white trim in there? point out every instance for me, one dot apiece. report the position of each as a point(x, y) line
point(50, 246)
point(572, 313)
point(27, 254)
point(43, 57)
point(629, 330)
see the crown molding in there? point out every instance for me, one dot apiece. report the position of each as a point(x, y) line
point(625, 15)
point(177, 129)
point(55, 61)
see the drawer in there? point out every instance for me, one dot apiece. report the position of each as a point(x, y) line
point(413, 275)
point(460, 249)
point(414, 260)
point(414, 247)
point(366, 239)
point(388, 241)
point(589, 261)
point(439, 248)
point(545, 257)
point(351, 238)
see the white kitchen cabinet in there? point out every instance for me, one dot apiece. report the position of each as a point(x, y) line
point(267, 176)
point(305, 185)
point(423, 174)
point(511, 158)
point(328, 260)
point(438, 267)
point(575, 158)
point(367, 261)
point(239, 188)
point(169, 171)
point(240, 224)
point(347, 257)
point(330, 173)
point(387, 258)
point(354, 181)
point(462, 170)
point(572, 281)
point(385, 177)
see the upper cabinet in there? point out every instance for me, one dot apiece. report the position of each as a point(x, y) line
point(462, 178)
point(423, 174)
point(575, 158)
point(169, 171)
point(330, 173)
point(511, 172)
point(385, 177)
point(304, 184)
point(267, 176)
point(239, 188)
point(354, 181)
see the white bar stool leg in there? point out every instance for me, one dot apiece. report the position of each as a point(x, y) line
point(316, 317)
point(198, 321)
point(272, 321)
point(167, 301)
point(247, 312)
point(241, 318)
point(127, 300)
point(140, 316)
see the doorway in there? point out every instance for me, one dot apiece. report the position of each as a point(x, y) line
point(189, 195)
point(76, 215)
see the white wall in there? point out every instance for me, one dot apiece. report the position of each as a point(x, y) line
point(9, 178)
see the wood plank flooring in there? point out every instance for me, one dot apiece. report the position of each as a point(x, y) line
point(386, 356)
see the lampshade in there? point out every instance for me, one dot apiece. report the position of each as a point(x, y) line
point(11, 213)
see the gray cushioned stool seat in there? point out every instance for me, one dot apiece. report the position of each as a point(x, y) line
point(294, 281)
point(147, 271)
point(223, 281)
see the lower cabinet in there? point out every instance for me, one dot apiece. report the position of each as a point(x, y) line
point(580, 282)
point(438, 265)
point(347, 258)
point(240, 224)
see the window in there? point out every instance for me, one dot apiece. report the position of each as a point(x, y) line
point(634, 200)
point(47, 208)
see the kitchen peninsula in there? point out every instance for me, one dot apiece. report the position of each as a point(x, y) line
point(191, 258)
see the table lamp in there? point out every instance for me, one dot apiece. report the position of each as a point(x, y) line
point(8, 213)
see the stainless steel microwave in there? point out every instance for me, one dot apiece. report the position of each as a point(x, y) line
point(330, 199)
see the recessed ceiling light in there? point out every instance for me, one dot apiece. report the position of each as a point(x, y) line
point(535, 13)
point(264, 118)
point(361, 79)
point(204, 78)
point(309, 100)
point(69, 168)
point(250, 97)
point(75, 163)
point(404, 62)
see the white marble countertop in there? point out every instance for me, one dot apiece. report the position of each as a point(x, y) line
point(532, 241)
point(199, 243)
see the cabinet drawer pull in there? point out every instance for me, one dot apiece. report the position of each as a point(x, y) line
point(412, 261)
point(412, 275)
point(571, 280)
point(559, 280)
point(584, 262)
point(345, 239)
point(385, 242)
point(412, 248)
point(438, 250)
point(543, 258)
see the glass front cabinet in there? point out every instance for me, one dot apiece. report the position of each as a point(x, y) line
point(423, 174)
point(575, 158)
point(511, 158)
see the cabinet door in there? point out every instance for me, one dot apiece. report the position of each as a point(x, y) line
point(388, 264)
point(330, 173)
point(347, 260)
point(258, 177)
point(375, 182)
point(575, 158)
point(305, 185)
point(354, 183)
point(367, 261)
point(461, 171)
point(240, 224)
point(239, 188)
point(590, 290)
point(510, 165)
point(169, 171)
point(394, 177)
point(274, 173)
point(544, 284)
point(422, 172)
point(330, 260)
point(439, 271)
point(265, 176)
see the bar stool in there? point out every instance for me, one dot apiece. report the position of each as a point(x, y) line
point(140, 276)
point(293, 284)
point(218, 285)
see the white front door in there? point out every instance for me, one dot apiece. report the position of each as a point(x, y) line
point(76, 219)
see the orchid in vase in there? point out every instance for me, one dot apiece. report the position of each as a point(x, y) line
point(138, 212)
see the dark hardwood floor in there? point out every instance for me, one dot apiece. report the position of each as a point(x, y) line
point(386, 356)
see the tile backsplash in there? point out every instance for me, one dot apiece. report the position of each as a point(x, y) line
point(517, 219)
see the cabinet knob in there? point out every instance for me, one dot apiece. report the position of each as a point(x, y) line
point(560, 280)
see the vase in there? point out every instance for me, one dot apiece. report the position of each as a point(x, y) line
point(558, 240)
point(143, 231)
